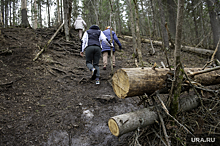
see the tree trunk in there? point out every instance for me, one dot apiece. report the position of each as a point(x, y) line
point(175, 91)
point(6, 13)
point(153, 19)
point(111, 13)
point(66, 26)
point(121, 124)
point(133, 30)
point(10, 23)
point(128, 82)
point(48, 12)
point(118, 18)
point(171, 6)
point(69, 13)
point(143, 22)
point(14, 9)
point(61, 7)
point(58, 11)
point(163, 28)
point(39, 13)
point(215, 23)
point(2, 13)
point(138, 34)
point(24, 22)
point(35, 14)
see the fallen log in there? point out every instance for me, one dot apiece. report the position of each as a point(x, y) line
point(128, 82)
point(183, 48)
point(121, 124)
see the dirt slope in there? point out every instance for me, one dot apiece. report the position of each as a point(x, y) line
point(52, 101)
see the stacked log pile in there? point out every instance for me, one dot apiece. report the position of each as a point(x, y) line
point(129, 82)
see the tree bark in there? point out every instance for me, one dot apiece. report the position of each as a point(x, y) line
point(58, 11)
point(35, 14)
point(195, 23)
point(6, 13)
point(121, 124)
point(171, 6)
point(129, 82)
point(153, 19)
point(215, 22)
point(48, 12)
point(176, 90)
point(66, 26)
point(39, 14)
point(132, 30)
point(24, 19)
point(163, 28)
point(2, 13)
point(138, 34)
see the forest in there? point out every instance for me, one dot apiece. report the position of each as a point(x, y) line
point(164, 89)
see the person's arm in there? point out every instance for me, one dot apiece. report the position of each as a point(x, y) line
point(117, 40)
point(84, 23)
point(75, 24)
point(105, 39)
point(84, 42)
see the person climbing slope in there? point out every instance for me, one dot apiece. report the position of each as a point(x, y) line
point(106, 49)
point(91, 45)
point(79, 25)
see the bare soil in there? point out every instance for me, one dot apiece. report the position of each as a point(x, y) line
point(53, 101)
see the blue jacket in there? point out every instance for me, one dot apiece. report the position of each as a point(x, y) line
point(108, 35)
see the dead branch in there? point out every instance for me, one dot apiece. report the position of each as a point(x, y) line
point(159, 137)
point(48, 43)
point(170, 38)
point(213, 55)
point(167, 112)
point(203, 39)
point(199, 96)
point(203, 71)
point(163, 126)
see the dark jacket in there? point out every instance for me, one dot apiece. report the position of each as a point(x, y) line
point(93, 36)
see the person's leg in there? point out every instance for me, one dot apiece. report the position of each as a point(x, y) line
point(96, 57)
point(105, 58)
point(80, 33)
point(113, 59)
point(89, 57)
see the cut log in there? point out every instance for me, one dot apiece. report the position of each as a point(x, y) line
point(183, 48)
point(128, 82)
point(121, 124)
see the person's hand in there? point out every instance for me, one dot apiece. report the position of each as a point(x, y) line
point(112, 45)
point(81, 54)
point(120, 47)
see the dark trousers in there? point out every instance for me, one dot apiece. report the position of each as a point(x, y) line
point(93, 54)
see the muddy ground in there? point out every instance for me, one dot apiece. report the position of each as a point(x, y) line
point(52, 101)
